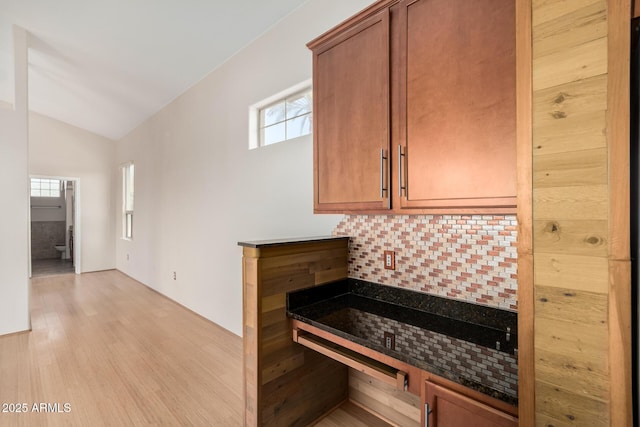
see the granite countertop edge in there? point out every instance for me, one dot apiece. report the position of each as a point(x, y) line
point(288, 241)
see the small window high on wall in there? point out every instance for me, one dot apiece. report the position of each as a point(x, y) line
point(127, 202)
point(41, 187)
point(282, 117)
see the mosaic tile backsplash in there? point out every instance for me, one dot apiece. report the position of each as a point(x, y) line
point(460, 360)
point(467, 257)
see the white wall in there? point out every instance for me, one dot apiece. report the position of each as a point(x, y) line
point(7, 65)
point(199, 190)
point(61, 150)
point(14, 215)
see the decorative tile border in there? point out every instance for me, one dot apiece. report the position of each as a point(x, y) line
point(468, 257)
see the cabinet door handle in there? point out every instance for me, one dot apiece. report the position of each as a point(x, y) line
point(383, 186)
point(427, 412)
point(401, 185)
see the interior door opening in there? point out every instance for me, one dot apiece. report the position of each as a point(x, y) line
point(54, 232)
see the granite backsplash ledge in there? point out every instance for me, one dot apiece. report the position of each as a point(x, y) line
point(489, 317)
point(471, 258)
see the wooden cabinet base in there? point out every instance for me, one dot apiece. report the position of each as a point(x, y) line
point(285, 383)
point(351, 414)
point(447, 408)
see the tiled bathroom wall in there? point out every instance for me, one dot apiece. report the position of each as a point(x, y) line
point(467, 257)
point(45, 235)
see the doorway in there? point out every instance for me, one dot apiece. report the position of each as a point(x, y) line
point(54, 225)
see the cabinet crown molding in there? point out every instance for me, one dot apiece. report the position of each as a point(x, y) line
point(364, 14)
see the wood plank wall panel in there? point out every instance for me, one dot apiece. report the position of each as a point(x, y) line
point(618, 131)
point(580, 212)
point(570, 191)
point(399, 407)
point(250, 277)
point(524, 101)
point(285, 383)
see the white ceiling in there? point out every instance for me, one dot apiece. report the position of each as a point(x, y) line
point(107, 65)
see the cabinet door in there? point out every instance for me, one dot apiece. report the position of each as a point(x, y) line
point(351, 118)
point(446, 408)
point(457, 103)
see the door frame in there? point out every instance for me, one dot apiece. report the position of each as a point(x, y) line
point(77, 226)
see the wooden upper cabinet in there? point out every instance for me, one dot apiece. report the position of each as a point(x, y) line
point(351, 118)
point(457, 103)
point(415, 109)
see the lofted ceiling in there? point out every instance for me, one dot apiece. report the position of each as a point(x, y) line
point(107, 65)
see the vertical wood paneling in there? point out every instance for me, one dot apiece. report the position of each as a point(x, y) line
point(568, 408)
point(550, 10)
point(570, 357)
point(585, 60)
point(584, 168)
point(571, 134)
point(580, 205)
point(618, 131)
point(286, 384)
point(570, 202)
point(572, 29)
point(250, 278)
point(571, 100)
point(589, 237)
point(524, 101)
point(572, 271)
point(620, 343)
point(568, 305)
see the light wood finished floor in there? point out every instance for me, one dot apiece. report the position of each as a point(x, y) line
point(49, 267)
point(119, 354)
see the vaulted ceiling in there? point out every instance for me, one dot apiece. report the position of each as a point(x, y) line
point(107, 65)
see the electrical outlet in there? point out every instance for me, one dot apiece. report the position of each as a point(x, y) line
point(389, 340)
point(127, 257)
point(389, 260)
point(174, 275)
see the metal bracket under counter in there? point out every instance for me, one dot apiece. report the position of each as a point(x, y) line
point(377, 365)
point(352, 359)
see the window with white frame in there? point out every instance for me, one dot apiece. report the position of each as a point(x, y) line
point(127, 200)
point(287, 117)
point(41, 187)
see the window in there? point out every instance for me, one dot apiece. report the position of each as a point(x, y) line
point(41, 187)
point(285, 116)
point(127, 201)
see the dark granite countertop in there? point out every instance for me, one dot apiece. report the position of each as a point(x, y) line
point(294, 240)
point(466, 343)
